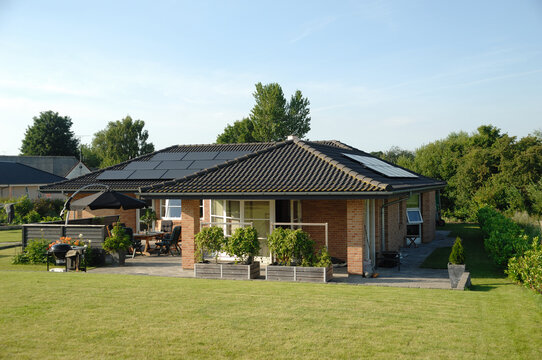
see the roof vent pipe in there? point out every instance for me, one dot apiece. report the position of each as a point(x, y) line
point(292, 137)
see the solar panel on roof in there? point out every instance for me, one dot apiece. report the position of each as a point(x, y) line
point(176, 174)
point(142, 165)
point(147, 174)
point(115, 175)
point(381, 166)
point(204, 164)
point(174, 165)
point(168, 156)
point(201, 155)
point(229, 155)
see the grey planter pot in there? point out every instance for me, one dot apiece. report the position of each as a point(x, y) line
point(227, 271)
point(118, 257)
point(299, 273)
point(455, 272)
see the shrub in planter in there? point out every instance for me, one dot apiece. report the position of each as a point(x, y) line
point(209, 239)
point(148, 218)
point(117, 244)
point(456, 263)
point(289, 246)
point(243, 244)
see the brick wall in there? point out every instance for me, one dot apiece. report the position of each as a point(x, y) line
point(355, 235)
point(190, 224)
point(429, 213)
point(334, 213)
point(395, 222)
point(128, 217)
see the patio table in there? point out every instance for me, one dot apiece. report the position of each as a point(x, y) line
point(147, 237)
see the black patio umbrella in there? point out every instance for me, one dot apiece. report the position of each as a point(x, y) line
point(107, 199)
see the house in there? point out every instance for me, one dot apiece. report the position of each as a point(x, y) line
point(23, 181)
point(17, 180)
point(343, 197)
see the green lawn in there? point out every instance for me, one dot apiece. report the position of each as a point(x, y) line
point(10, 236)
point(114, 316)
point(438, 259)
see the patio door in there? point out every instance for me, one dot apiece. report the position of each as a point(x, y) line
point(414, 218)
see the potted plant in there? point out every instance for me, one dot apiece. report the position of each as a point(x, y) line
point(293, 251)
point(148, 218)
point(243, 245)
point(456, 263)
point(117, 244)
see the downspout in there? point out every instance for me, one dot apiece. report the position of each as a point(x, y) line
point(382, 220)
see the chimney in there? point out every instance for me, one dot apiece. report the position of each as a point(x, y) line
point(292, 137)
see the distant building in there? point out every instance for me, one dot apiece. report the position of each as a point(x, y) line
point(23, 175)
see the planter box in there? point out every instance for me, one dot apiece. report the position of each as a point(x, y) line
point(227, 271)
point(298, 273)
point(455, 272)
point(116, 258)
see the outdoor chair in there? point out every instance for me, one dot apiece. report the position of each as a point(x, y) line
point(165, 227)
point(136, 243)
point(170, 241)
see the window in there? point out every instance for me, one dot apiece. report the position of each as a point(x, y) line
point(201, 209)
point(170, 209)
point(226, 211)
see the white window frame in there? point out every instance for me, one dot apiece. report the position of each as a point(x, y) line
point(165, 206)
point(417, 210)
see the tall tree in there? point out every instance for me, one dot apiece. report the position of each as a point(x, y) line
point(272, 118)
point(240, 132)
point(120, 141)
point(50, 135)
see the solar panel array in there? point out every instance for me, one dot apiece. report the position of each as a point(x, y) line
point(381, 166)
point(170, 165)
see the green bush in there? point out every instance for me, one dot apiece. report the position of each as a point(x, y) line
point(34, 253)
point(323, 258)
point(504, 239)
point(457, 256)
point(243, 244)
point(527, 269)
point(209, 239)
point(118, 240)
point(289, 246)
point(32, 217)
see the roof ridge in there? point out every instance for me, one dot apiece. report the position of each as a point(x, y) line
point(217, 144)
point(219, 166)
point(341, 167)
point(336, 143)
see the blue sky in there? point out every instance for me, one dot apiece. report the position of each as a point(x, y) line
point(377, 73)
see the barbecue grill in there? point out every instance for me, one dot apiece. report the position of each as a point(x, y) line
point(59, 252)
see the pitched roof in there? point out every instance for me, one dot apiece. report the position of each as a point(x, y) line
point(57, 165)
point(294, 167)
point(157, 167)
point(12, 173)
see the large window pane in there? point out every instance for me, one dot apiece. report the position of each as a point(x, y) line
point(257, 210)
point(217, 207)
point(261, 226)
point(233, 209)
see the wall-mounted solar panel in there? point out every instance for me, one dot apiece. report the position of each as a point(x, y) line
point(381, 166)
point(201, 155)
point(168, 156)
point(147, 174)
point(142, 165)
point(115, 175)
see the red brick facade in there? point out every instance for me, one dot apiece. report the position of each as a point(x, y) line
point(190, 226)
point(355, 235)
point(332, 212)
point(429, 213)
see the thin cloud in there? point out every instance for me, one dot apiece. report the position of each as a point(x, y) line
point(312, 28)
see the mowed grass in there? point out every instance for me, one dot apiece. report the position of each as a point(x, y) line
point(10, 236)
point(438, 259)
point(115, 316)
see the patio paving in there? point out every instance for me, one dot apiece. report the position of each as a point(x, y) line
point(410, 275)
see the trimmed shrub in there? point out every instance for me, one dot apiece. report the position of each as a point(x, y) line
point(457, 256)
point(527, 269)
point(118, 240)
point(209, 239)
point(290, 246)
point(504, 239)
point(243, 244)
